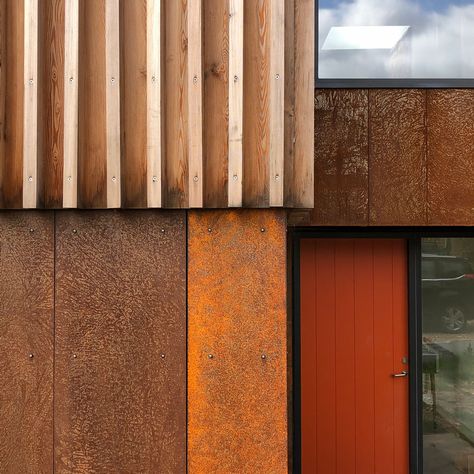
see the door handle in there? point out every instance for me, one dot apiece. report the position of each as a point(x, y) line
point(403, 373)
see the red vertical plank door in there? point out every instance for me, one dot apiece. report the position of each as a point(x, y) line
point(354, 338)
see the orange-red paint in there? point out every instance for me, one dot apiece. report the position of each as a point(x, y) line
point(354, 336)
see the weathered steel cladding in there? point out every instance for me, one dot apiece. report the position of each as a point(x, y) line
point(26, 342)
point(237, 342)
point(120, 370)
point(393, 157)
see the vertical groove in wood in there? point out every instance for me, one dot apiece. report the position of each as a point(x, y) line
point(195, 96)
point(92, 163)
point(236, 102)
point(112, 101)
point(216, 102)
point(153, 98)
point(256, 144)
point(71, 105)
point(51, 38)
point(133, 103)
point(30, 105)
point(277, 102)
point(303, 171)
point(11, 103)
point(175, 166)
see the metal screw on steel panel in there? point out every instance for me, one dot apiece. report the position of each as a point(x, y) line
point(210, 356)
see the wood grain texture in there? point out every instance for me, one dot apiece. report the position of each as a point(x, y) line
point(450, 120)
point(92, 155)
point(26, 339)
point(175, 166)
point(154, 103)
point(51, 103)
point(256, 145)
point(30, 104)
point(133, 102)
point(11, 103)
point(71, 104)
point(237, 342)
point(304, 43)
point(341, 157)
point(195, 98)
point(215, 105)
point(397, 151)
point(120, 368)
point(236, 102)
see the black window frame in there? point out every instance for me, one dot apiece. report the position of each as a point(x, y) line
point(413, 236)
point(347, 83)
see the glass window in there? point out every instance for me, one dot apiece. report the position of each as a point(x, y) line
point(448, 356)
point(396, 39)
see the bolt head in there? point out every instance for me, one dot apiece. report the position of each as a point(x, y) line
point(264, 356)
point(162, 356)
point(31, 356)
point(262, 229)
point(210, 356)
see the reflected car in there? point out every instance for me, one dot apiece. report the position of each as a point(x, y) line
point(448, 292)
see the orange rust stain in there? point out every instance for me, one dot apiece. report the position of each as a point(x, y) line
point(237, 342)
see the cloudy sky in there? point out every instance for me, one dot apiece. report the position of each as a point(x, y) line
point(440, 42)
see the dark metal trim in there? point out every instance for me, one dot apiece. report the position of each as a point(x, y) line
point(416, 83)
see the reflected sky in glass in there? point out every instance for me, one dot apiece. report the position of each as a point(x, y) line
point(438, 43)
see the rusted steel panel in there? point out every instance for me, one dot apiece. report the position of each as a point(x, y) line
point(26, 342)
point(397, 151)
point(120, 373)
point(341, 157)
point(450, 120)
point(237, 342)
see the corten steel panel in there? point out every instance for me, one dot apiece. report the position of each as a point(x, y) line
point(341, 157)
point(397, 157)
point(26, 342)
point(450, 119)
point(120, 373)
point(354, 334)
point(237, 342)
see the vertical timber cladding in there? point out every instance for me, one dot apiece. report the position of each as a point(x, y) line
point(26, 341)
point(120, 375)
point(237, 342)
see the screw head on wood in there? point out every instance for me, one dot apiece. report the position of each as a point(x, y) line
point(195, 79)
point(32, 230)
point(235, 177)
point(74, 231)
point(162, 231)
point(277, 177)
point(277, 76)
point(153, 78)
point(74, 356)
point(69, 178)
point(155, 179)
point(210, 356)
point(195, 178)
point(31, 356)
point(209, 229)
point(162, 356)
point(114, 179)
point(236, 78)
point(71, 79)
point(30, 178)
point(31, 82)
point(262, 229)
point(264, 356)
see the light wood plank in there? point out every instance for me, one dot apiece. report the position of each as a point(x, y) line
point(236, 99)
point(112, 67)
point(195, 102)
point(153, 34)
point(277, 89)
point(30, 106)
point(303, 180)
point(71, 105)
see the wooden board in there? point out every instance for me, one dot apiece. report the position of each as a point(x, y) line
point(51, 103)
point(120, 372)
point(11, 104)
point(26, 341)
point(341, 157)
point(216, 97)
point(397, 151)
point(92, 154)
point(133, 102)
point(450, 118)
point(256, 133)
point(237, 342)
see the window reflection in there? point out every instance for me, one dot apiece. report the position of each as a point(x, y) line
point(448, 355)
point(377, 39)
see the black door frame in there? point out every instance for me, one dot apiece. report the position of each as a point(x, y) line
point(413, 236)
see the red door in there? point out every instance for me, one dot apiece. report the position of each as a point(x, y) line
point(354, 339)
